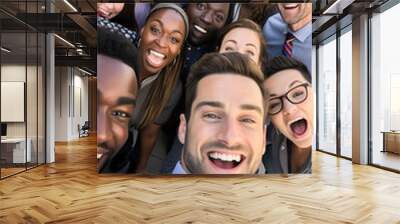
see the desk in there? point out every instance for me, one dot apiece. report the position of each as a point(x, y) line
point(391, 141)
point(16, 147)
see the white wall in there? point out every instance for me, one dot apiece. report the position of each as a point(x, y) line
point(33, 126)
point(71, 93)
point(61, 103)
point(13, 73)
point(80, 110)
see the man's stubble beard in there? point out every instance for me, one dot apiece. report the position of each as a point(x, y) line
point(189, 163)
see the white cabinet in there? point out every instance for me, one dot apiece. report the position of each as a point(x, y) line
point(18, 149)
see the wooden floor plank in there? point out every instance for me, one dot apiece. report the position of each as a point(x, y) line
point(71, 191)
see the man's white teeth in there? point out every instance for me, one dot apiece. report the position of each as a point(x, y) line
point(157, 54)
point(201, 29)
point(293, 5)
point(225, 157)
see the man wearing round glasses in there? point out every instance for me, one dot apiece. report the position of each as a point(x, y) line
point(291, 111)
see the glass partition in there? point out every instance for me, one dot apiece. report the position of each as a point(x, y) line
point(13, 105)
point(31, 99)
point(22, 88)
point(41, 96)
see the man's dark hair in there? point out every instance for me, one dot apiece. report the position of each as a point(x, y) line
point(281, 63)
point(229, 16)
point(114, 45)
point(216, 63)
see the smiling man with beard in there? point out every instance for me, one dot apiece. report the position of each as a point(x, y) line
point(223, 129)
point(289, 32)
point(291, 111)
point(205, 21)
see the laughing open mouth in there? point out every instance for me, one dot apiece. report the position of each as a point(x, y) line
point(224, 160)
point(290, 6)
point(299, 127)
point(155, 58)
point(200, 29)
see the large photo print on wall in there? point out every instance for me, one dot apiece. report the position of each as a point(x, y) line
point(204, 88)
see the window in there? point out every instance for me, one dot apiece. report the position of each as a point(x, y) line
point(327, 96)
point(346, 93)
point(385, 88)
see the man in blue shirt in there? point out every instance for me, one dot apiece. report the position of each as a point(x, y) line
point(223, 127)
point(289, 32)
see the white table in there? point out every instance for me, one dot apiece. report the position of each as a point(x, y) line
point(18, 149)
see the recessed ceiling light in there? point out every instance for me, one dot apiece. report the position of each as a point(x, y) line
point(65, 41)
point(70, 5)
point(337, 7)
point(5, 50)
point(84, 71)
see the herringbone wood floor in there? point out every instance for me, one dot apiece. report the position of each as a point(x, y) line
point(70, 191)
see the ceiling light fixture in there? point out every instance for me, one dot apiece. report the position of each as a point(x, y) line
point(331, 7)
point(64, 40)
point(5, 50)
point(84, 71)
point(70, 5)
point(337, 7)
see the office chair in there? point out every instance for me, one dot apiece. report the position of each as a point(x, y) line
point(84, 130)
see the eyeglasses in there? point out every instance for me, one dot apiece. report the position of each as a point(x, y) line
point(295, 95)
